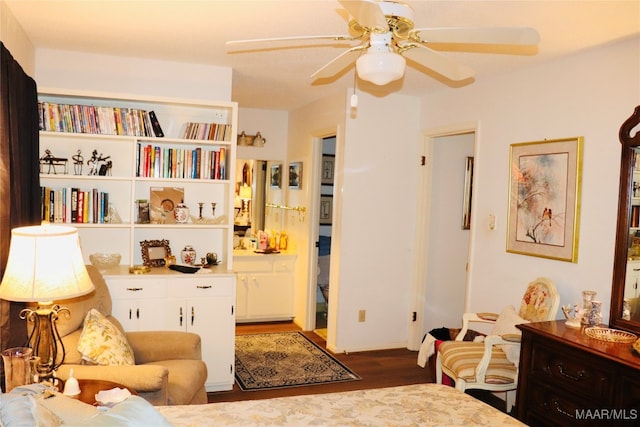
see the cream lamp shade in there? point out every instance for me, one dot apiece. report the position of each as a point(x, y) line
point(45, 264)
point(245, 192)
point(380, 68)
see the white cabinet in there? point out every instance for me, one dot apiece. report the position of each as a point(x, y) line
point(265, 286)
point(180, 160)
point(200, 303)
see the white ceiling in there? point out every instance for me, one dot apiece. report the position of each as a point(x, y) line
point(196, 30)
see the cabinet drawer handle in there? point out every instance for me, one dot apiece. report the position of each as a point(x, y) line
point(204, 286)
point(562, 411)
point(581, 374)
point(134, 289)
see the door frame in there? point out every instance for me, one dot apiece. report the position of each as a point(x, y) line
point(423, 220)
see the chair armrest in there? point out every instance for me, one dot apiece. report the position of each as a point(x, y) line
point(152, 346)
point(141, 378)
point(489, 342)
point(474, 317)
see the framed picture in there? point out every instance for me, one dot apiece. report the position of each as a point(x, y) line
point(544, 198)
point(466, 202)
point(326, 209)
point(154, 252)
point(295, 175)
point(163, 201)
point(275, 176)
point(328, 164)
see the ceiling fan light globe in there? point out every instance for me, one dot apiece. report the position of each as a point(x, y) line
point(380, 68)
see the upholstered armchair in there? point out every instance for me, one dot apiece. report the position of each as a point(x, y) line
point(168, 369)
point(493, 364)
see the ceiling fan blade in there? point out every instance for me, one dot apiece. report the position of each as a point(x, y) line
point(431, 59)
point(477, 35)
point(366, 12)
point(291, 38)
point(339, 63)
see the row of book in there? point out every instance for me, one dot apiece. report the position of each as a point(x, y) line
point(182, 163)
point(635, 216)
point(98, 120)
point(74, 205)
point(207, 131)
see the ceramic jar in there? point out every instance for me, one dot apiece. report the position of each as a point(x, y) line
point(181, 213)
point(188, 255)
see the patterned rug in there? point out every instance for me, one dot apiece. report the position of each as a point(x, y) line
point(285, 359)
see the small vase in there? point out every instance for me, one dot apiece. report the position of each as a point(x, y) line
point(188, 255)
point(181, 213)
point(587, 298)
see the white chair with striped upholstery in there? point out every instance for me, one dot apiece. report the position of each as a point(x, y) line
point(493, 364)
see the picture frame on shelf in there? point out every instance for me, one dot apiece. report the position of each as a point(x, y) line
point(275, 176)
point(154, 252)
point(326, 210)
point(466, 201)
point(544, 198)
point(295, 175)
point(163, 201)
point(328, 167)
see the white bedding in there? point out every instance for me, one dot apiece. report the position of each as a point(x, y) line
point(412, 405)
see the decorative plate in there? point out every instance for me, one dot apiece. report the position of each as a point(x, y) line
point(610, 335)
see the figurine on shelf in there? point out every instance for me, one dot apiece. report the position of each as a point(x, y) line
point(52, 161)
point(78, 161)
point(99, 165)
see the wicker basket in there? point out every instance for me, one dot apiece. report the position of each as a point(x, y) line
point(610, 335)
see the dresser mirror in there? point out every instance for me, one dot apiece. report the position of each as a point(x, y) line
point(625, 291)
point(258, 184)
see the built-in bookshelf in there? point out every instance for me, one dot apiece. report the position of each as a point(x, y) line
point(112, 149)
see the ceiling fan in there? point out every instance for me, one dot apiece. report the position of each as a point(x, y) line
point(388, 35)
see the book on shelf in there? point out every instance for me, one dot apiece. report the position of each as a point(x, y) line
point(91, 119)
point(207, 131)
point(180, 163)
point(74, 205)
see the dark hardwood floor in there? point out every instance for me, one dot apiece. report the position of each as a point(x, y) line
point(382, 368)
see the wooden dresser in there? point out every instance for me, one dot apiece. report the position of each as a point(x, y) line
point(567, 378)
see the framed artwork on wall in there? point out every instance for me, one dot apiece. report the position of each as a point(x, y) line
point(544, 198)
point(295, 175)
point(466, 203)
point(275, 176)
point(326, 209)
point(328, 166)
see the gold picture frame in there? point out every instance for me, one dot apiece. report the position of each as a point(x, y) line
point(154, 252)
point(544, 198)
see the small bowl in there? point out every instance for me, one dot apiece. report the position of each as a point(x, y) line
point(104, 261)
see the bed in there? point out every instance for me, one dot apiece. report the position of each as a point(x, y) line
point(411, 405)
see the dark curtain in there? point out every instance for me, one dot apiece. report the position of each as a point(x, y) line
point(19, 176)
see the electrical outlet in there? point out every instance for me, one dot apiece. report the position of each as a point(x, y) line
point(362, 315)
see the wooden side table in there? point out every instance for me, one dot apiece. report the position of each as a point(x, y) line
point(89, 389)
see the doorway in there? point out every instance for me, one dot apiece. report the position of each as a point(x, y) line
point(442, 242)
point(325, 205)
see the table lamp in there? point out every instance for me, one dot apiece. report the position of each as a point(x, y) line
point(45, 264)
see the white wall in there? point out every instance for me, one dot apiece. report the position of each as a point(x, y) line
point(448, 242)
point(272, 125)
point(590, 95)
point(16, 40)
point(121, 75)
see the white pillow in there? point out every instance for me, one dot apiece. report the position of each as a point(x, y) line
point(506, 324)
point(102, 343)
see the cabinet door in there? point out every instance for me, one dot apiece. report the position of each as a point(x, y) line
point(270, 296)
point(213, 319)
point(141, 314)
point(242, 287)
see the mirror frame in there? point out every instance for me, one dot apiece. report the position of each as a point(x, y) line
point(622, 231)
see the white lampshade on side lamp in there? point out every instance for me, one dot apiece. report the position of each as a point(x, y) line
point(45, 264)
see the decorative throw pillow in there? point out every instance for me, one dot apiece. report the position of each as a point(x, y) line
point(102, 343)
point(506, 324)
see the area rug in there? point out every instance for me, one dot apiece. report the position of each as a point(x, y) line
point(285, 359)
